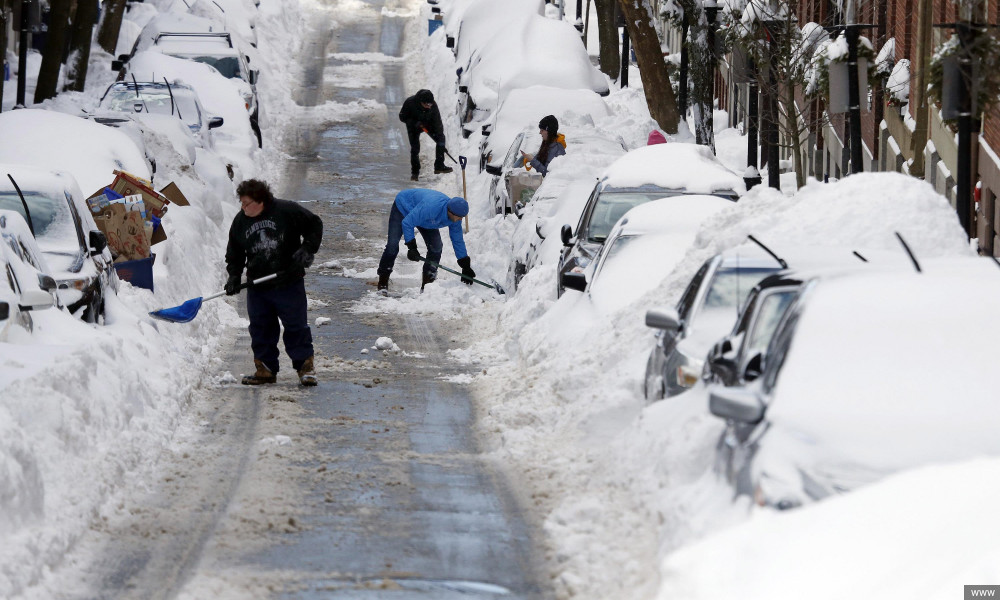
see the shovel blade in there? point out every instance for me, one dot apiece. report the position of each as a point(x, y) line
point(179, 314)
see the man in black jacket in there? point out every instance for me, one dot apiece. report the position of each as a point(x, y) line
point(420, 113)
point(274, 236)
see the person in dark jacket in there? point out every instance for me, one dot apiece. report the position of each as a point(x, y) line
point(420, 114)
point(425, 211)
point(274, 236)
point(553, 145)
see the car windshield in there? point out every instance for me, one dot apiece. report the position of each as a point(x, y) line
point(612, 205)
point(155, 100)
point(229, 66)
point(51, 218)
point(730, 287)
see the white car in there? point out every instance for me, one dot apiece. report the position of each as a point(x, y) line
point(73, 247)
point(124, 100)
point(24, 286)
point(868, 373)
point(643, 248)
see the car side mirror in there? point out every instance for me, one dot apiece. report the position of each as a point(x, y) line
point(566, 233)
point(253, 77)
point(215, 122)
point(574, 281)
point(4, 311)
point(494, 170)
point(117, 65)
point(35, 300)
point(665, 318)
point(46, 282)
point(449, 41)
point(754, 367)
point(722, 367)
point(538, 231)
point(98, 242)
point(735, 404)
point(463, 89)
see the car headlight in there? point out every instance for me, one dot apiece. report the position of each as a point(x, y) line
point(689, 374)
point(247, 97)
point(80, 284)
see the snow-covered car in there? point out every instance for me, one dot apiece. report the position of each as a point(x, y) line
point(25, 286)
point(73, 247)
point(867, 374)
point(643, 248)
point(124, 100)
point(216, 93)
point(704, 313)
point(194, 38)
point(528, 49)
point(643, 174)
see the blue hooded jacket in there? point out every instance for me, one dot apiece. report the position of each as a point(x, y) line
point(429, 209)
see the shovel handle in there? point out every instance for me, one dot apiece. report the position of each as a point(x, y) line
point(244, 285)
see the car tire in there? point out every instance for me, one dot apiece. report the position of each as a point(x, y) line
point(94, 313)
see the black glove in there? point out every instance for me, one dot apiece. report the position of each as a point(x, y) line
point(232, 285)
point(466, 264)
point(412, 253)
point(302, 258)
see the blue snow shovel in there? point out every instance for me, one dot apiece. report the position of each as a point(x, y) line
point(189, 310)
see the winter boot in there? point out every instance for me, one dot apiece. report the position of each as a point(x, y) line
point(414, 176)
point(442, 169)
point(383, 284)
point(262, 376)
point(427, 278)
point(307, 375)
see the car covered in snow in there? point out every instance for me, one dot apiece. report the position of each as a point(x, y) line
point(75, 250)
point(643, 248)
point(516, 47)
point(127, 101)
point(642, 175)
point(867, 374)
point(704, 313)
point(25, 285)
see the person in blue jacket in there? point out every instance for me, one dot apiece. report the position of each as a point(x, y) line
point(425, 211)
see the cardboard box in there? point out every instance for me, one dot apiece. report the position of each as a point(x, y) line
point(127, 233)
point(127, 184)
point(173, 193)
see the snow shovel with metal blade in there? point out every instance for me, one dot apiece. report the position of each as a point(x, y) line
point(189, 310)
point(491, 284)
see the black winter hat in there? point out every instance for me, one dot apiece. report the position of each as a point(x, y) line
point(551, 124)
point(425, 97)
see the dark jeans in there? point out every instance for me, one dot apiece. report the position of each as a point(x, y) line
point(287, 304)
point(432, 239)
point(414, 134)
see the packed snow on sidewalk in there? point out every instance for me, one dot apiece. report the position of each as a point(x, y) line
point(622, 485)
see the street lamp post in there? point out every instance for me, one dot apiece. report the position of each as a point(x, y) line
point(711, 8)
point(22, 52)
point(771, 27)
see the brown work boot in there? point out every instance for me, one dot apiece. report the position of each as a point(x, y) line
point(262, 376)
point(307, 374)
point(383, 284)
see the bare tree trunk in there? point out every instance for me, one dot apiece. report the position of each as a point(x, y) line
point(4, 20)
point(653, 69)
point(79, 49)
point(48, 73)
point(607, 34)
point(111, 24)
point(794, 133)
point(702, 73)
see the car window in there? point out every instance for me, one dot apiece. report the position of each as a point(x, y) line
point(512, 152)
point(772, 308)
point(155, 100)
point(730, 286)
point(687, 300)
point(779, 350)
point(54, 227)
point(611, 206)
point(229, 66)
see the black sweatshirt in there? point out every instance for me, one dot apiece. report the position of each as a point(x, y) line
point(265, 244)
point(413, 113)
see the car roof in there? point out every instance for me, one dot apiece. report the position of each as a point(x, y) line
point(37, 179)
point(673, 165)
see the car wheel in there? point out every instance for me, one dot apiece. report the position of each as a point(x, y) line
point(94, 313)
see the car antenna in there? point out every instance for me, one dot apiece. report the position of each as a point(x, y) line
point(781, 261)
point(24, 203)
point(171, 92)
point(137, 95)
point(858, 254)
point(906, 247)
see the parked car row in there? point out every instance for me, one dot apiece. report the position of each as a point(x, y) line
point(829, 367)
